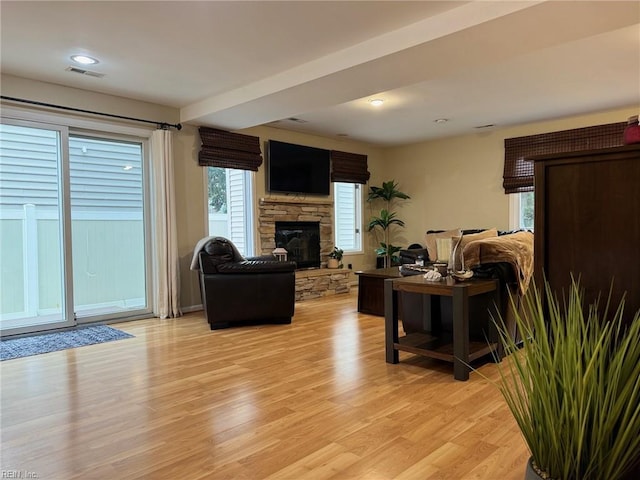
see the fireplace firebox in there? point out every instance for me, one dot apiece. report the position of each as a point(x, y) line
point(301, 240)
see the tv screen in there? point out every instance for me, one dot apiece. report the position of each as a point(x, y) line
point(297, 169)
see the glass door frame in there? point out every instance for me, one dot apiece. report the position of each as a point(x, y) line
point(98, 129)
point(147, 311)
point(64, 212)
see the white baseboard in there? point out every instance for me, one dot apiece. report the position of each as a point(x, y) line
point(192, 308)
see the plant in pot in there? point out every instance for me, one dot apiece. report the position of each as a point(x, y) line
point(386, 219)
point(573, 386)
point(335, 258)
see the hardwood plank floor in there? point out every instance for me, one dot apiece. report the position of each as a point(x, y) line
point(310, 400)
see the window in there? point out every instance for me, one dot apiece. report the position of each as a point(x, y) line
point(348, 216)
point(521, 210)
point(230, 206)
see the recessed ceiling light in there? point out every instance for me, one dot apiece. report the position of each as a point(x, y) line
point(441, 120)
point(376, 102)
point(84, 60)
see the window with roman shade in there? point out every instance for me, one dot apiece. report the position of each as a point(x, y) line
point(229, 150)
point(349, 167)
point(518, 172)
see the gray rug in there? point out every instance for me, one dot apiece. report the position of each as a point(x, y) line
point(52, 342)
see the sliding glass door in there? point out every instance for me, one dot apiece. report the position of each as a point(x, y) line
point(108, 228)
point(73, 243)
point(34, 293)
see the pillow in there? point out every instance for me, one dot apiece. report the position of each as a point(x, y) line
point(492, 232)
point(432, 238)
point(443, 250)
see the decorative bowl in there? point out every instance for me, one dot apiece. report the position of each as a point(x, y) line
point(462, 275)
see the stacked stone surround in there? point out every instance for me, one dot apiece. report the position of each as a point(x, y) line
point(318, 283)
point(293, 210)
point(309, 283)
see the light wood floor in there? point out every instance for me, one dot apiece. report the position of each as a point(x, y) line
point(311, 400)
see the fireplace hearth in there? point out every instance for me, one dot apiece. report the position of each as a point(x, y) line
point(301, 240)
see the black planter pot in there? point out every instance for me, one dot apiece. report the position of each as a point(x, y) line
point(530, 473)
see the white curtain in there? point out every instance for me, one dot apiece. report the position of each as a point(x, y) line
point(165, 238)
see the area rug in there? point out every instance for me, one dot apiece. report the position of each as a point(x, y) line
point(52, 342)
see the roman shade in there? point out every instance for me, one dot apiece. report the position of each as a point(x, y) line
point(349, 167)
point(229, 150)
point(518, 172)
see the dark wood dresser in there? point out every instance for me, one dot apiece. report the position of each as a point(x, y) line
point(587, 222)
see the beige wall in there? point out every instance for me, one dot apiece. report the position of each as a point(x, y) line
point(87, 100)
point(453, 182)
point(457, 181)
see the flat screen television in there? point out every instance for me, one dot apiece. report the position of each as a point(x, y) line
point(297, 169)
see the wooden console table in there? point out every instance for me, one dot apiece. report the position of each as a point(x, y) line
point(455, 347)
point(371, 289)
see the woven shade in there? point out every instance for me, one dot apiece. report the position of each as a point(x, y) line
point(229, 150)
point(349, 167)
point(518, 172)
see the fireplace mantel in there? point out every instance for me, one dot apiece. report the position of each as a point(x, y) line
point(296, 201)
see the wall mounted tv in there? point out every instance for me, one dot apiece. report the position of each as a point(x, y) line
point(297, 169)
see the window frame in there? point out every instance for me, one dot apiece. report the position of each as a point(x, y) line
point(515, 211)
point(249, 191)
point(357, 205)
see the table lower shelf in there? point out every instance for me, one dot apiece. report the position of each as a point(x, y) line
point(441, 347)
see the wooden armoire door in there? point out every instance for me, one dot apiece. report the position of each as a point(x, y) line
point(587, 223)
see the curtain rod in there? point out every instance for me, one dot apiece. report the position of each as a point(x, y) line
point(162, 125)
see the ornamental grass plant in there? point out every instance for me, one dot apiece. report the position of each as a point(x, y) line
point(573, 386)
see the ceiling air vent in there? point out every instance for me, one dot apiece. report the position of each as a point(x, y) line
point(82, 71)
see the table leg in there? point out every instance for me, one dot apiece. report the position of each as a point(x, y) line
point(498, 353)
point(390, 321)
point(460, 334)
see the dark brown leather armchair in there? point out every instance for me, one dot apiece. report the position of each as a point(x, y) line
point(238, 290)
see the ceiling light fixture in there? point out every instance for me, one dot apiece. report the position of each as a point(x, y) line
point(376, 102)
point(84, 60)
point(441, 120)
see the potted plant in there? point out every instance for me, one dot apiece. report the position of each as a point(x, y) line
point(573, 386)
point(335, 258)
point(386, 219)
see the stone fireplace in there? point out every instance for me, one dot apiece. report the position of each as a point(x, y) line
point(296, 211)
point(312, 282)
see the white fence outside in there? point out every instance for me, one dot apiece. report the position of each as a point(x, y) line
point(103, 248)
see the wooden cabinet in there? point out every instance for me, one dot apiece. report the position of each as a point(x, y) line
point(587, 222)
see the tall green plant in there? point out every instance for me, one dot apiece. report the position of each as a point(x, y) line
point(388, 193)
point(574, 387)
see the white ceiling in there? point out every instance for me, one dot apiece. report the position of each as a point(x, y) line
point(239, 64)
